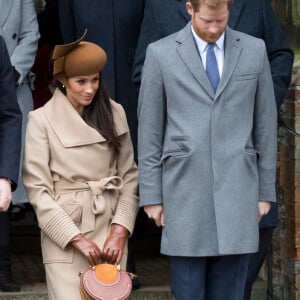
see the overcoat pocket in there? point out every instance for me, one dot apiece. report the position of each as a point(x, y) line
point(248, 76)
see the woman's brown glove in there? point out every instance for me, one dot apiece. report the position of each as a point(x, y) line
point(88, 248)
point(115, 243)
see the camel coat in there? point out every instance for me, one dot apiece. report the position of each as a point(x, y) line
point(76, 184)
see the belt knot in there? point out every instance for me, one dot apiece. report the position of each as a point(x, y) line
point(98, 187)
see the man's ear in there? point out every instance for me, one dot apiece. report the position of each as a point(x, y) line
point(189, 8)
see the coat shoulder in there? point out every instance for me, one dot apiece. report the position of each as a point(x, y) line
point(168, 40)
point(163, 46)
point(119, 116)
point(249, 43)
point(37, 114)
point(245, 39)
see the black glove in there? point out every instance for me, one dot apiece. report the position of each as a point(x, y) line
point(88, 248)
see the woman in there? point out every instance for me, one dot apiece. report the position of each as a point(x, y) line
point(79, 171)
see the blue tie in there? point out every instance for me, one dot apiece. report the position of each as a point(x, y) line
point(212, 70)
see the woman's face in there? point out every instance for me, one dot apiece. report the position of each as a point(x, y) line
point(81, 90)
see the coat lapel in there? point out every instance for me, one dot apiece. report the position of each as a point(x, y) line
point(5, 10)
point(232, 54)
point(68, 125)
point(181, 7)
point(188, 52)
point(235, 12)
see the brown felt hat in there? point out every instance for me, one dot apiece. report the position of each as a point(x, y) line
point(78, 58)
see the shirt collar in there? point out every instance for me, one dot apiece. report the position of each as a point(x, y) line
point(202, 45)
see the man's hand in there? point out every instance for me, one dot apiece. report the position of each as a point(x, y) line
point(155, 212)
point(5, 194)
point(263, 209)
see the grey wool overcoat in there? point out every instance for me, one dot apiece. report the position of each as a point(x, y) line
point(208, 158)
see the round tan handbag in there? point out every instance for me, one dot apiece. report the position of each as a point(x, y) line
point(105, 282)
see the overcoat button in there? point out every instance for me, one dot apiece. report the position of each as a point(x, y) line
point(14, 36)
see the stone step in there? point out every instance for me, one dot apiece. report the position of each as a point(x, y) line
point(38, 291)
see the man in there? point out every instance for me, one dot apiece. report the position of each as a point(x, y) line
point(115, 26)
point(207, 150)
point(10, 146)
point(255, 17)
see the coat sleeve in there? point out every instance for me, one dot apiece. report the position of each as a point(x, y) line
point(23, 55)
point(150, 32)
point(67, 21)
point(53, 220)
point(128, 205)
point(10, 120)
point(265, 130)
point(280, 55)
point(151, 119)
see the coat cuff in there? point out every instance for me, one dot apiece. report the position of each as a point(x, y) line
point(61, 229)
point(267, 192)
point(126, 212)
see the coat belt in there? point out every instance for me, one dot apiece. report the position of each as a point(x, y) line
point(98, 204)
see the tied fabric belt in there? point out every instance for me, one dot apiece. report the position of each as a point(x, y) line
point(98, 203)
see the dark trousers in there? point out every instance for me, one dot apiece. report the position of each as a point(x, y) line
point(4, 240)
point(4, 229)
point(140, 224)
point(209, 278)
point(256, 259)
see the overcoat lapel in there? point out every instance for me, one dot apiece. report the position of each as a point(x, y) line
point(67, 124)
point(235, 12)
point(182, 9)
point(232, 54)
point(188, 52)
point(6, 7)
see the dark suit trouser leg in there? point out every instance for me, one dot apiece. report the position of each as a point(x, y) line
point(7, 284)
point(4, 239)
point(209, 278)
point(131, 267)
point(5, 229)
point(256, 259)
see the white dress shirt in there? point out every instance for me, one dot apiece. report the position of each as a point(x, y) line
point(219, 50)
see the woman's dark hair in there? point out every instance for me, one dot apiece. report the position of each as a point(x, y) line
point(99, 115)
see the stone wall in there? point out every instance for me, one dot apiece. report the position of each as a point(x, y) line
point(286, 259)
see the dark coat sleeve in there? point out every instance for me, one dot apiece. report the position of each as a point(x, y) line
point(67, 21)
point(150, 32)
point(10, 120)
point(281, 57)
point(257, 18)
point(49, 24)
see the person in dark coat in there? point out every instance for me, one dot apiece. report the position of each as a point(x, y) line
point(10, 147)
point(115, 26)
point(49, 28)
point(254, 17)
